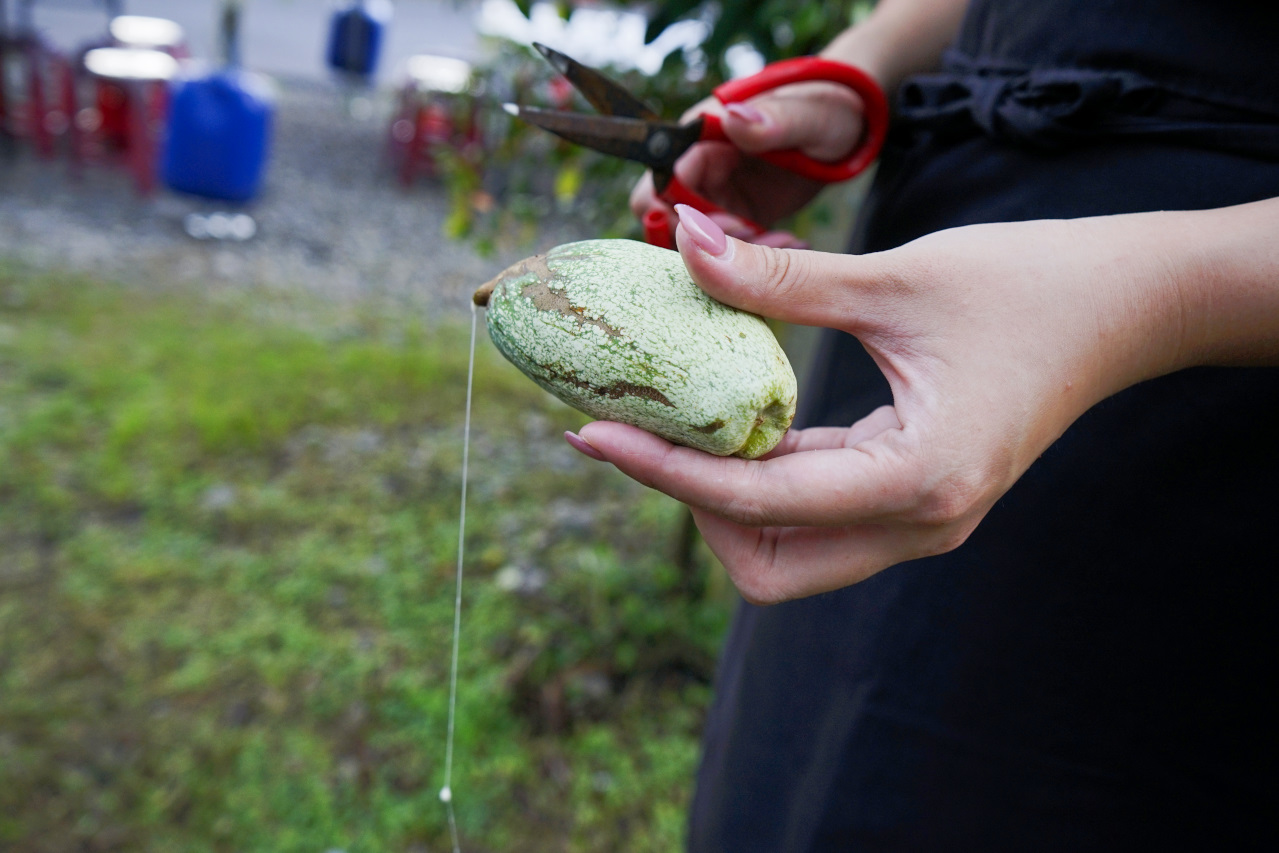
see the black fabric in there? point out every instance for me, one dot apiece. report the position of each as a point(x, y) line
point(1092, 670)
point(1053, 108)
point(1220, 50)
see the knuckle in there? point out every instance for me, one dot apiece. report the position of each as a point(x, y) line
point(946, 507)
point(950, 499)
point(745, 509)
point(953, 537)
point(782, 272)
point(756, 593)
point(758, 585)
point(950, 511)
point(747, 505)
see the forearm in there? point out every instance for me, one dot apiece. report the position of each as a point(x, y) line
point(900, 38)
point(1166, 291)
point(1225, 267)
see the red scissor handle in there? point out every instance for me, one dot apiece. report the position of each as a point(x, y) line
point(657, 229)
point(801, 70)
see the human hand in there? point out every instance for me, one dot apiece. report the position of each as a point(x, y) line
point(823, 120)
point(994, 338)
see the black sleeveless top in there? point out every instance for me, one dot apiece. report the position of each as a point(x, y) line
point(1091, 670)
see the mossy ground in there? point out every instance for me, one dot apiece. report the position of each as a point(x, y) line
point(227, 543)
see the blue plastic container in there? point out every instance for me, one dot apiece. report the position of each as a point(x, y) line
point(355, 36)
point(219, 135)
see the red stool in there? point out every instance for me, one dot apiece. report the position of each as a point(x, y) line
point(111, 100)
point(142, 76)
point(35, 81)
point(433, 111)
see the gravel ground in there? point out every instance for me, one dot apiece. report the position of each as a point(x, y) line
point(331, 218)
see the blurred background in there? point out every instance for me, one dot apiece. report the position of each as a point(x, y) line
point(237, 244)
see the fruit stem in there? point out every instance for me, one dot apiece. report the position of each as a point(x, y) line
point(485, 290)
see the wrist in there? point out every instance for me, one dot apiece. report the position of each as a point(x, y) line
point(1185, 289)
point(1227, 274)
point(899, 38)
point(862, 48)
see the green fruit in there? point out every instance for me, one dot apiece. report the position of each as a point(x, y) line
point(618, 330)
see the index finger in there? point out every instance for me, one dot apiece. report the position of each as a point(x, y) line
point(830, 438)
point(644, 198)
point(813, 488)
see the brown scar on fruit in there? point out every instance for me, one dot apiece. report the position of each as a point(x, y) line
point(710, 428)
point(536, 265)
point(629, 389)
point(485, 291)
point(540, 269)
point(615, 391)
point(546, 299)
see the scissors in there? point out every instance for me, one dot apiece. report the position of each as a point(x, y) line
point(629, 128)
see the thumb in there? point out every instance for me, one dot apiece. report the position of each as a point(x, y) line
point(791, 285)
point(822, 120)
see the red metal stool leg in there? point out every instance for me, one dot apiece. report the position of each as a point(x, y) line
point(37, 110)
point(71, 108)
point(408, 152)
point(4, 103)
point(139, 138)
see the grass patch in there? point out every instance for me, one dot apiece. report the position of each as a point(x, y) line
point(227, 534)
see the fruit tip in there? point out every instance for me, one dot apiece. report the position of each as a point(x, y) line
point(481, 295)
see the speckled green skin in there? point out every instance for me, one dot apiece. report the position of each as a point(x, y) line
point(618, 330)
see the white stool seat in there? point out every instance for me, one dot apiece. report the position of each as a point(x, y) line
point(130, 63)
point(141, 31)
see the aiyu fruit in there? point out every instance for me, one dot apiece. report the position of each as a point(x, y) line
point(618, 330)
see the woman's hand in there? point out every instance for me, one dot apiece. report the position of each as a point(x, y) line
point(994, 338)
point(823, 120)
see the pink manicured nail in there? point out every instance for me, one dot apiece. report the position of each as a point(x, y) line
point(746, 113)
point(708, 236)
point(732, 226)
point(579, 444)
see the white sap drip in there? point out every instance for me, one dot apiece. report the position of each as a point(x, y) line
point(446, 792)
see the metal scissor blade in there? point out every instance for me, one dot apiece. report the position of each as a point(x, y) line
point(608, 97)
point(655, 144)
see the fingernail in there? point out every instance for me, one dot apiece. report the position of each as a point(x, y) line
point(708, 236)
point(746, 113)
point(579, 444)
point(732, 226)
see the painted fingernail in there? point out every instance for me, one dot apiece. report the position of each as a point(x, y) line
point(746, 113)
point(708, 236)
point(732, 226)
point(579, 444)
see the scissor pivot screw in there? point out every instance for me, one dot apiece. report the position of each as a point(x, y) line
point(659, 143)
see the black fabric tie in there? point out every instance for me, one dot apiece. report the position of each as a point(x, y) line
point(1057, 108)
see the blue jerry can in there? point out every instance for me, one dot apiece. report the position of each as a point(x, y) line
point(355, 36)
point(219, 134)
